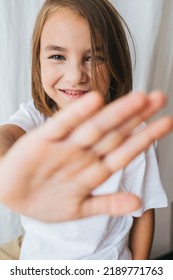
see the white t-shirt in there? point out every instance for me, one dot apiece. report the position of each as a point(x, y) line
point(98, 237)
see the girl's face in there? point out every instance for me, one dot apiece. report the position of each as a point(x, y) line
point(65, 58)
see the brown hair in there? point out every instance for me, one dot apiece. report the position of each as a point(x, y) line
point(104, 21)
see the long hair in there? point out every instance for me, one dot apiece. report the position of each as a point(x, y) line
point(104, 22)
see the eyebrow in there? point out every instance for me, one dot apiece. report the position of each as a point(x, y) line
point(58, 48)
point(54, 48)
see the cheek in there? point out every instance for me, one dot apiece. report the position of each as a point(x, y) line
point(48, 75)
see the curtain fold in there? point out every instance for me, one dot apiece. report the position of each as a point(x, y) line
point(150, 23)
point(17, 18)
point(16, 24)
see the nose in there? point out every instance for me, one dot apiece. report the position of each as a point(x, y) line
point(75, 73)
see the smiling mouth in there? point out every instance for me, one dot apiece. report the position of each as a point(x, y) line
point(73, 93)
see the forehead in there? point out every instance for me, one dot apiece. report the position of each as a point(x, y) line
point(66, 26)
point(65, 22)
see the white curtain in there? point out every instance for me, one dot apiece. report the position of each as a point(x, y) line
point(150, 22)
point(16, 24)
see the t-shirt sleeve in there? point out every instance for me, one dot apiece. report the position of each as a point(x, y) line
point(27, 117)
point(142, 178)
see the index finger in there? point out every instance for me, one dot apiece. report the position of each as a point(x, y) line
point(132, 109)
point(63, 122)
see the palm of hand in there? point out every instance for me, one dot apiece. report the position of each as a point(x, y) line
point(50, 174)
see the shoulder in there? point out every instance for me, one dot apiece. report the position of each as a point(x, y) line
point(27, 117)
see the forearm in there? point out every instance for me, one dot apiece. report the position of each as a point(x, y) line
point(8, 136)
point(141, 236)
point(6, 141)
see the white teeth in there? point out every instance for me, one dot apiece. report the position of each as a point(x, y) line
point(68, 92)
point(74, 92)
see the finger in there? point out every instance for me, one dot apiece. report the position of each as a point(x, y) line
point(110, 117)
point(112, 140)
point(114, 204)
point(135, 144)
point(117, 159)
point(63, 122)
point(68, 171)
point(156, 101)
point(91, 177)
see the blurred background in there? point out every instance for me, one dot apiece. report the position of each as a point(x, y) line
point(150, 23)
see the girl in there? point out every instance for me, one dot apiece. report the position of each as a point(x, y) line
point(80, 46)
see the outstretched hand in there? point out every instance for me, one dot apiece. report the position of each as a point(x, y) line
point(50, 174)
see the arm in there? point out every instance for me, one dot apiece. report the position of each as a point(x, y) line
point(141, 236)
point(8, 136)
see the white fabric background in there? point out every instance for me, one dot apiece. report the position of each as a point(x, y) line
point(16, 24)
point(150, 22)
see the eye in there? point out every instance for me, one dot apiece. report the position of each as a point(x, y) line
point(98, 58)
point(57, 57)
point(88, 58)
